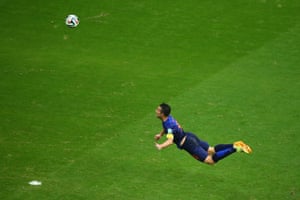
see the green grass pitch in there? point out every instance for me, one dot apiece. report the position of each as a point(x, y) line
point(77, 105)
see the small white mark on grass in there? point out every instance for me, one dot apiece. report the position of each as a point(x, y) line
point(98, 18)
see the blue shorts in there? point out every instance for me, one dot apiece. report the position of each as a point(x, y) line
point(196, 147)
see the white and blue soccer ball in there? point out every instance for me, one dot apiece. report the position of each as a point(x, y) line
point(72, 21)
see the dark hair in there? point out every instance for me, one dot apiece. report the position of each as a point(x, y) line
point(165, 109)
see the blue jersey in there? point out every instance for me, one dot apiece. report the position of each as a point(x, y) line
point(173, 130)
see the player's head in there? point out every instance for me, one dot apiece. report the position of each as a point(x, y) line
point(163, 110)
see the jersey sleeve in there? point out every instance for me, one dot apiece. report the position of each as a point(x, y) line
point(170, 133)
point(170, 136)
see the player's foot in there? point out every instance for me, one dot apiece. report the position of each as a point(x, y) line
point(240, 146)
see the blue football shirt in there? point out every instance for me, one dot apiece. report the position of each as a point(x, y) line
point(173, 129)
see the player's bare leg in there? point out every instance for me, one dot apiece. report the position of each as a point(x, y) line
point(209, 160)
point(211, 151)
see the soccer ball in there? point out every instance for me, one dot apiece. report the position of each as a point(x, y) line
point(72, 21)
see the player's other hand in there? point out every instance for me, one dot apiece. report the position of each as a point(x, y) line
point(157, 137)
point(158, 146)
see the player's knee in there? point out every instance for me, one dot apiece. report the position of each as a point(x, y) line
point(209, 160)
point(211, 151)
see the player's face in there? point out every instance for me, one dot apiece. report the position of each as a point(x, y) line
point(158, 112)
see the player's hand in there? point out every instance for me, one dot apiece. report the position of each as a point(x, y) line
point(157, 137)
point(158, 146)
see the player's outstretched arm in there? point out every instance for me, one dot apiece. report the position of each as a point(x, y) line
point(167, 143)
